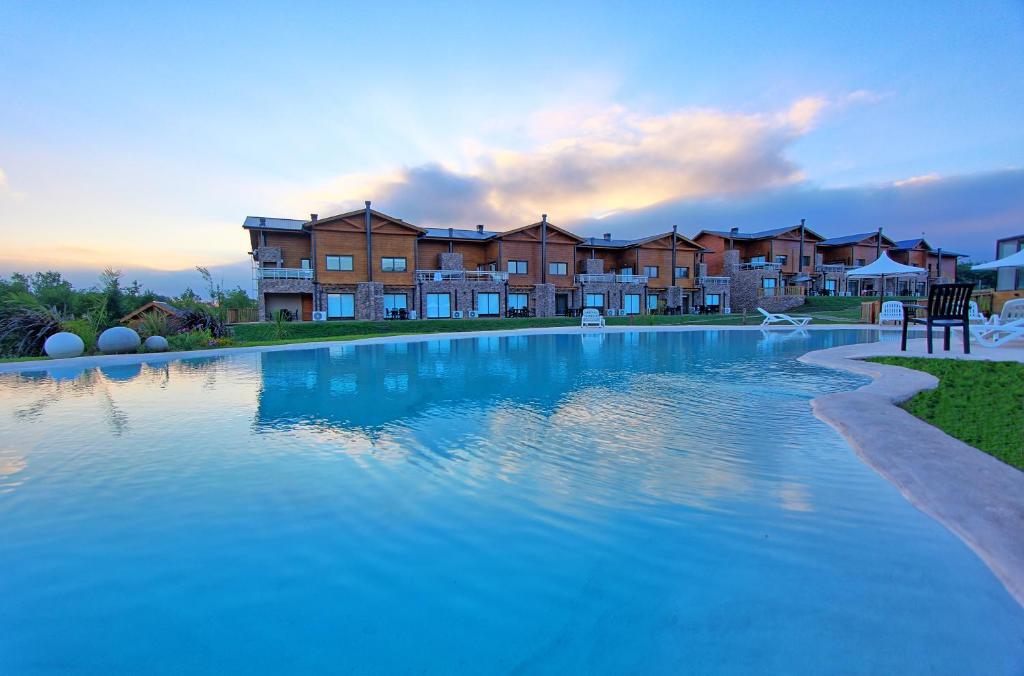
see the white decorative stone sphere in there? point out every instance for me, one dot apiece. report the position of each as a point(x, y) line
point(118, 340)
point(63, 345)
point(156, 344)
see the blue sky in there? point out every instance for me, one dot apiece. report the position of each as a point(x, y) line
point(139, 135)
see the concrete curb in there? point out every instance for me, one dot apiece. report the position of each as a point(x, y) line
point(978, 498)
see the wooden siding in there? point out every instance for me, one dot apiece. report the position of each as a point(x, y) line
point(294, 247)
point(347, 237)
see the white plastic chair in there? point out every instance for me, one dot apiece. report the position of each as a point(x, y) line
point(591, 317)
point(974, 314)
point(778, 317)
point(892, 311)
point(1007, 326)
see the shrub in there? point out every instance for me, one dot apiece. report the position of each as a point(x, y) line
point(85, 330)
point(24, 329)
point(154, 324)
point(198, 318)
point(192, 340)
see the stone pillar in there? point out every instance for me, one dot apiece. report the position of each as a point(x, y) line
point(261, 308)
point(593, 266)
point(675, 297)
point(702, 270)
point(451, 261)
point(370, 301)
point(544, 300)
point(730, 262)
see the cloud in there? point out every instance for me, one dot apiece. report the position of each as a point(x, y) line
point(584, 165)
point(965, 214)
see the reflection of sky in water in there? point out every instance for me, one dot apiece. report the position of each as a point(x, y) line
point(652, 502)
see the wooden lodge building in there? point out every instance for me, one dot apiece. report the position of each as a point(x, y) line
point(367, 265)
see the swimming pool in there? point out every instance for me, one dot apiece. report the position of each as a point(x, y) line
point(659, 502)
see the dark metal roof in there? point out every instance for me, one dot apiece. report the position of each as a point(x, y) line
point(911, 243)
point(846, 239)
point(762, 234)
point(457, 233)
point(267, 223)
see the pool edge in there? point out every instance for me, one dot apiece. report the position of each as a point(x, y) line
point(977, 497)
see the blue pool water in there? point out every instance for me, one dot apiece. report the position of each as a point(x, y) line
point(654, 503)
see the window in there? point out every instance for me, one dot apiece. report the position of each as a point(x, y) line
point(341, 305)
point(487, 304)
point(757, 259)
point(652, 302)
point(518, 301)
point(768, 284)
point(517, 267)
point(395, 301)
point(860, 262)
point(487, 267)
point(781, 259)
point(339, 263)
point(558, 269)
point(830, 285)
point(439, 305)
point(392, 264)
point(626, 271)
point(682, 273)
point(304, 264)
point(807, 261)
point(1007, 279)
point(631, 303)
point(594, 300)
point(651, 271)
point(712, 299)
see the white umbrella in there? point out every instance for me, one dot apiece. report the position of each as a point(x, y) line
point(1012, 261)
point(884, 267)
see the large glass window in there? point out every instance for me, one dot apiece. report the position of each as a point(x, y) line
point(1007, 279)
point(682, 272)
point(651, 271)
point(395, 301)
point(339, 263)
point(558, 268)
point(626, 271)
point(652, 302)
point(757, 259)
point(439, 305)
point(768, 284)
point(341, 305)
point(517, 267)
point(594, 300)
point(518, 301)
point(631, 303)
point(712, 299)
point(392, 264)
point(830, 285)
point(487, 304)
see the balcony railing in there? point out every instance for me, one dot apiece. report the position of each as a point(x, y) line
point(611, 277)
point(831, 268)
point(713, 281)
point(761, 265)
point(284, 273)
point(771, 291)
point(461, 276)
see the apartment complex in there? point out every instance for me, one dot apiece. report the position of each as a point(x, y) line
point(367, 265)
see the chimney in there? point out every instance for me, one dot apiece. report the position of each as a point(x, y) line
point(263, 221)
point(312, 218)
point(480, 228)
point(734, 231)
point(608, 236)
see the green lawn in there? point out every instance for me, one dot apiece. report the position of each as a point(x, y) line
point(978, 402)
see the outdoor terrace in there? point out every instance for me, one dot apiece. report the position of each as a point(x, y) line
point(612, 277)
point(461, 276)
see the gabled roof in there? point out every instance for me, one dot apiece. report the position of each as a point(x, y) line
point(166, 308)
point(912, 244)
point(459, 233)
point(853, 239)
point(571, 235)
point(269, 223)
point(359, 212)
point(760, 234)
point(602, 243)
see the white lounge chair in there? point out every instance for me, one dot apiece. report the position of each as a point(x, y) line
point(591, 317)
point(892, 311)
point(778, 317)
point(974, 314)
point(1003, 328)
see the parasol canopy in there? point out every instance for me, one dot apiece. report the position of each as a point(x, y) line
point(884, 267)
point(1012, 261)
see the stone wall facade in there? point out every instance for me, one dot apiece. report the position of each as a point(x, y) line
point(280, 286)
point(451, 261)
point(369, 301)
point(463, 294)
point(779, 303)
point(542, 300)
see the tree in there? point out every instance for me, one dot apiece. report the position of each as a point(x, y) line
point(238, 298)
point(113, 301)
point(215, 290)
point(983, 279)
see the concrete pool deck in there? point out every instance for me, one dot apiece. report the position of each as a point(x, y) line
point(977, 497)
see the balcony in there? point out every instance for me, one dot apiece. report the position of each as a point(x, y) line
point(761, 265)
point(461, 276)
point(830, 268)
point(611, 277)
point(284, 273)
point(773, 291)
point(713, 281)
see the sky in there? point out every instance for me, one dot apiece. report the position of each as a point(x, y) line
point(139, 135)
